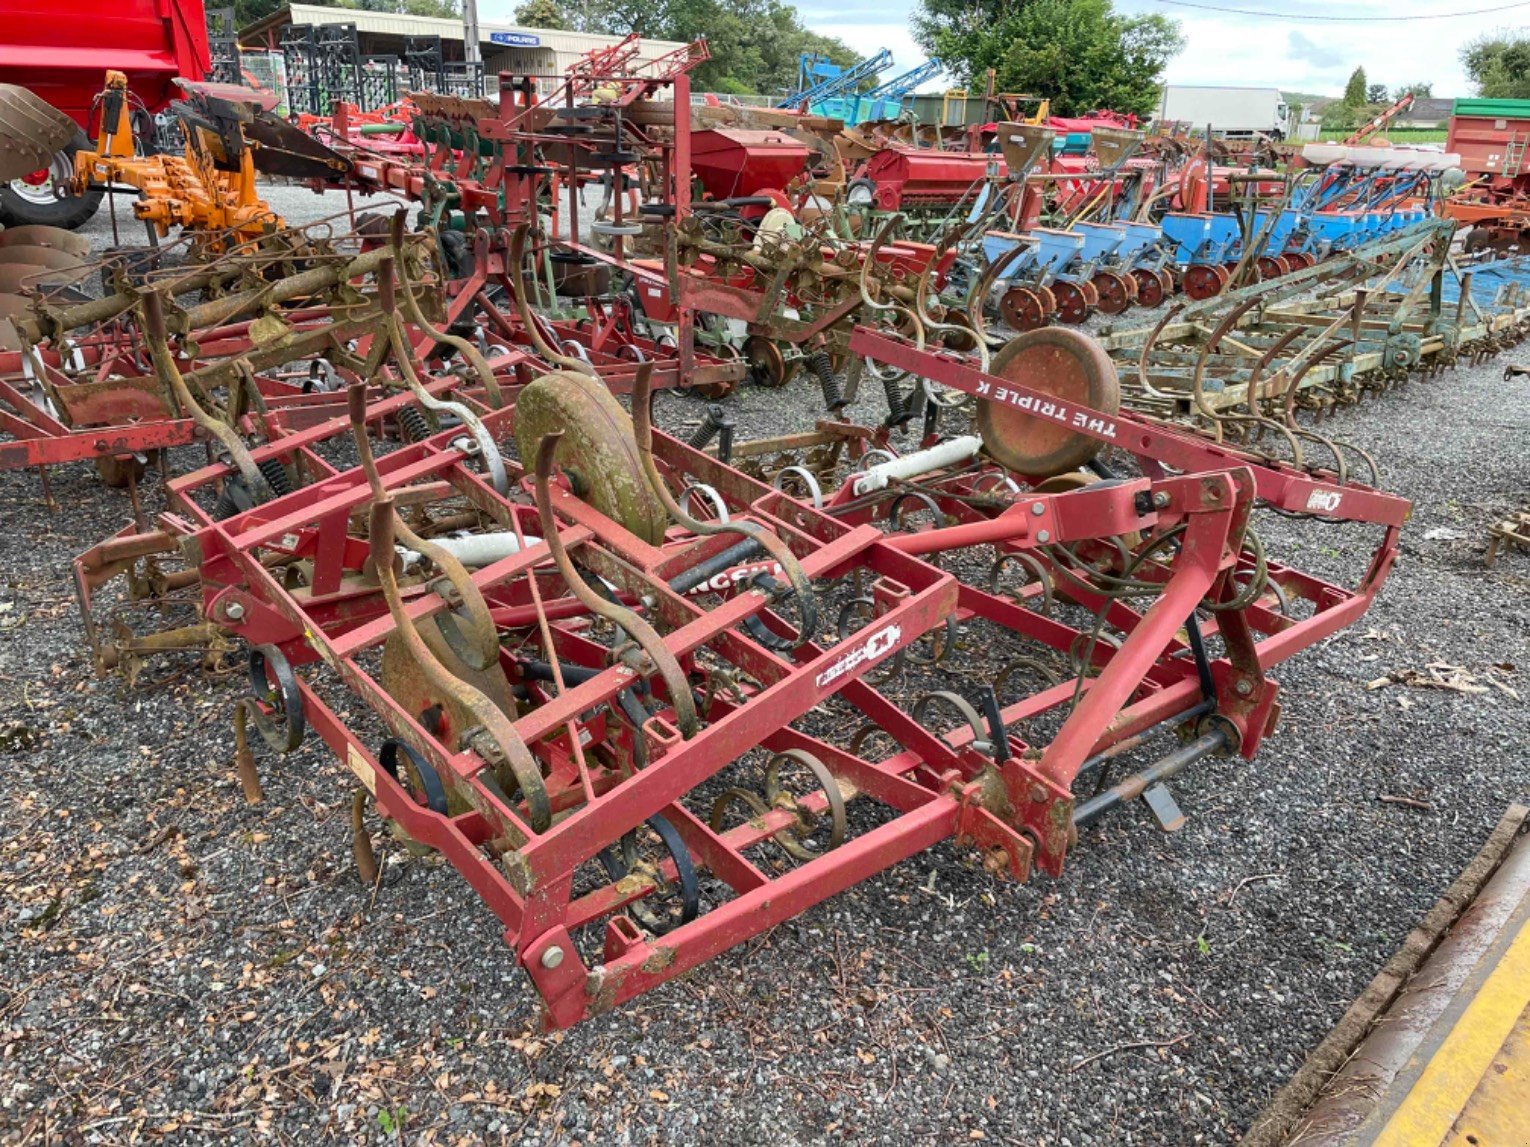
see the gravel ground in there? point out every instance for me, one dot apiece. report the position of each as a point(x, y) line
point(175, 963)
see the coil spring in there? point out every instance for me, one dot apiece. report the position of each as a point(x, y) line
point(714, 421)
point(898, 412)
point(413, 424)
point(833, 396)
point(275, 475)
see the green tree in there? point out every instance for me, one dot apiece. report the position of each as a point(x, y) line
point(1499, 65)
point(1338, 120)
point(1354, 91)
point(1422, 91)
point(540, 14)
point(1376, 94)
point(1079, 53)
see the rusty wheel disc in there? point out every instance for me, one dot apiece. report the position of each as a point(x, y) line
point(1066, 365)
point(1022, 309)
point(1166, 281)
point(1149, 287)
point(1114, 291)
point(1285, 264)
point(1202, 281)
point(1072, 301)
point(960, 341)
point(597, 453)
point(767, 366)
point(1269, 267)
point(1048, 300)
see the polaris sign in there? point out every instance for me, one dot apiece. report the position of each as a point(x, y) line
point(515, 39)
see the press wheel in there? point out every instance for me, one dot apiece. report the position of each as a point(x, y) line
point(1066, 365)
point(1073, 301)
point(597, 452)
point(1022, 309)
point(1115, 291)
point(1204, 281)
point(1150, 290)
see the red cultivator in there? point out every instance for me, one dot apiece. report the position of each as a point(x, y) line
point(644, 736)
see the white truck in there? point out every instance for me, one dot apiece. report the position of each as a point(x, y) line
point(1231, 112)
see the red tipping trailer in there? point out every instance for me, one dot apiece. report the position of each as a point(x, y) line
point(62, 50)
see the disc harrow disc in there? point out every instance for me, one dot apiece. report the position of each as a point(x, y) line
point(31, 130)
point(767, 366)
point(1066, 365)
point(597, 452)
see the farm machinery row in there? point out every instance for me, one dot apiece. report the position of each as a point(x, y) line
point(649, 705)
point(654, 693)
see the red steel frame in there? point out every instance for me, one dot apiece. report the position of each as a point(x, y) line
point(1011, 799)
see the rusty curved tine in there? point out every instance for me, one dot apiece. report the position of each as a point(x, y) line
point(487, 449)
point(768, 540)
point(494, 738)
point(977, 296)
point(962, 707)
point(403, 354)
point(1254, 417)
point(157, 338)
point(1197, 391)
point(1047, 672)
point(921, 293)
point(647, 638)
point(779, 797)
point(479, 645)
point(1342, 467)
point(466, 349)
point(1374, 478)
point(1147, 349)
point(871, 304)
point(514, 270)
point(1031, 565)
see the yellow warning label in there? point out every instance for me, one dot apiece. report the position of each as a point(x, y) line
point(362, 768)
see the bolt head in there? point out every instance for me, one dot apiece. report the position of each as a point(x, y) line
point(1043, 535)
point(1038, 509)
point(1161, 498)
point(552, 957)
point(1243, 688)
point(234, 611)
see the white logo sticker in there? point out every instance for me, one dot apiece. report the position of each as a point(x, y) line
point(876, 647)
point(1326, 501)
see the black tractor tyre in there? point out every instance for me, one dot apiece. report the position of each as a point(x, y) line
point(43, 204)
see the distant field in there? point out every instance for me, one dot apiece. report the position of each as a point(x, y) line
point(1416, 135)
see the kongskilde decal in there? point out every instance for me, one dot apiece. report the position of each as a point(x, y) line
point(733, 577)
point(874, 648)
point(1325, 501)
point(1059, 412)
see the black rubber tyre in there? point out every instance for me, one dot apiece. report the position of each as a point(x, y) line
point(68, 211)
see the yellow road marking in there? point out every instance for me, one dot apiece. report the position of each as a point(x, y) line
point(1455, 1069)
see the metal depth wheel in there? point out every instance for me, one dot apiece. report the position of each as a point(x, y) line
point(1115, 291)
point(1022, 309)
point(1073, 301)
point(597, 453)
point(1150, 291)
point(1066, 365)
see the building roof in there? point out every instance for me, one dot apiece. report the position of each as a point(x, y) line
point(399, 24)
point(1427, 110)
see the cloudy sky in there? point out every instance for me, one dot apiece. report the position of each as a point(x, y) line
point(1295, 54)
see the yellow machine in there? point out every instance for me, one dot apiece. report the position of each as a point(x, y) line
point(230, 136)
